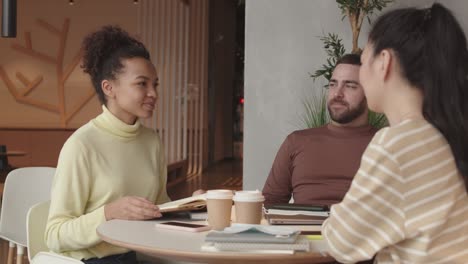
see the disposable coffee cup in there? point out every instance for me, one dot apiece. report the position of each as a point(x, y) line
point(219, 204)
point(248, 206)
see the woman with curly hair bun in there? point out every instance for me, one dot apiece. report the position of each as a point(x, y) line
point(408, 202)
point(112, 167)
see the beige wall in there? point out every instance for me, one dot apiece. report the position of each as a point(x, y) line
point(85, 16)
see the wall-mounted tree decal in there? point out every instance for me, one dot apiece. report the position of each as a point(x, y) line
point(63, 72)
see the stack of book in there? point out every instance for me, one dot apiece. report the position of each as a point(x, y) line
point(256, 239)
point(296, 214)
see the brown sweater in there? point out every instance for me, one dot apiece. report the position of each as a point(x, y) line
point(317, 165)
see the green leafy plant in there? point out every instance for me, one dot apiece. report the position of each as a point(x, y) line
point(315, 109)
point(377, 120)
point(335, 49)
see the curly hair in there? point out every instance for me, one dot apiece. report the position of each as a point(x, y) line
point(103, 53)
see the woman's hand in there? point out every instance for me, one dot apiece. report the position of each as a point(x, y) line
point(131, 208)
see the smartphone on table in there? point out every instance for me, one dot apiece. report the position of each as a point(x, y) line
point(183, 226)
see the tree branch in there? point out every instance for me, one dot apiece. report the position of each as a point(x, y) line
point(75, 61)
point(38, 104)
point(27, 39)
point(35, 54)
point(28, 84)
point(79, 106)
point(9, 84)
point(48, 27)
point(362, 14)
point(62, 44)
point(19, 98)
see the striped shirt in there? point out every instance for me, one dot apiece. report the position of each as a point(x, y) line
point(407, 202)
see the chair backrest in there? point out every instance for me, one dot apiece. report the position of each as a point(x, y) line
point(38, 253)
point(23, 188)
point(35, 226)
point(52, 258)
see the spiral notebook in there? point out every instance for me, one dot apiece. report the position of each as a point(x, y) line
point(301, 244)
point(249, 237)
point(277, 219)
point(256, 239)
point(246, 233)
point(296, 214)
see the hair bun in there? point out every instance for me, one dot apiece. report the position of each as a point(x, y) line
point(104, 50)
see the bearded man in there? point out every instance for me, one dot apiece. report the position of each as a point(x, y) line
point(317, 165)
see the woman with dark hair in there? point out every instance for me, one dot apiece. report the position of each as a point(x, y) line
point(112, 167)
point(408, 202)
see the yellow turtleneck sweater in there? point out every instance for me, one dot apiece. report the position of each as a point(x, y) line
point(102, 161)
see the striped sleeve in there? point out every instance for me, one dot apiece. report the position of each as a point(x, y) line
point(370, 217)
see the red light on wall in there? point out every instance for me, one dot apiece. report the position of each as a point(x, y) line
point(241, 101)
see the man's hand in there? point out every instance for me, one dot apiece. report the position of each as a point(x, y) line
point(131, 208)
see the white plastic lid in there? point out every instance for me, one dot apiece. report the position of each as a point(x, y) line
point(219, 194)
point(249, 196)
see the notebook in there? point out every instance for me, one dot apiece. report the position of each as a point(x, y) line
point(198, 215)
point(299, 207)
point(274, 219)
point(296, 214)
point(248, 238)
point(301, 244)
point(244, 233)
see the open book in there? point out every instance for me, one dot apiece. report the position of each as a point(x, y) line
point(196, 202)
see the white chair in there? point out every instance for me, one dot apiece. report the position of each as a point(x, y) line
point(35, 227)
point(37, 249)
point(52, 258)
point(23, 188)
